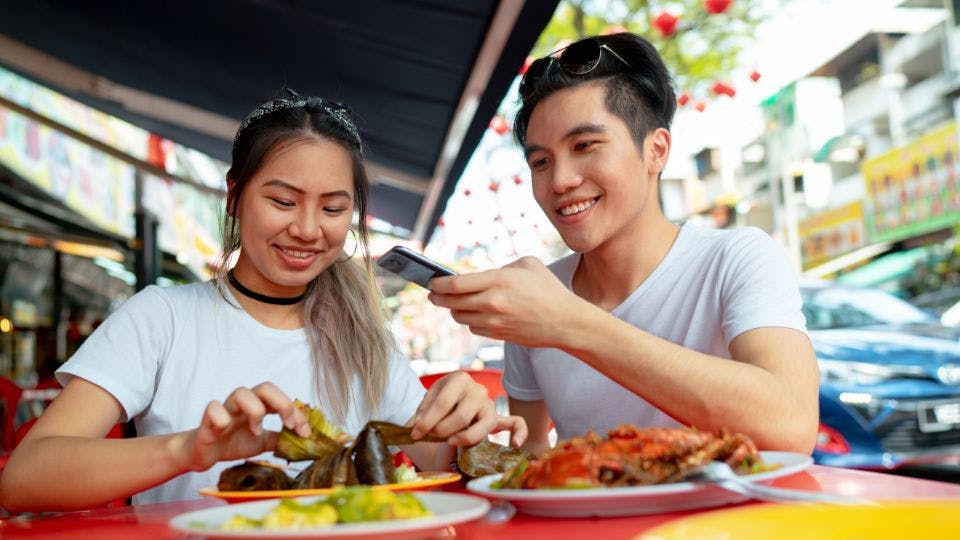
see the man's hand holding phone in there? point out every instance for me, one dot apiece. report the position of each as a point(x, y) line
point(412, 266)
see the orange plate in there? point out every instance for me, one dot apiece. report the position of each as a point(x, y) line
point(428, 480)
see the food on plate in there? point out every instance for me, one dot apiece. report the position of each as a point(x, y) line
point(404, 474)
point(335, 469)
point(488, 457)
point(630, 456)
point(254, 476)
point(325, 437)
point(373, 460)
point(338, 459)
point(345, 505)
point(364, 504)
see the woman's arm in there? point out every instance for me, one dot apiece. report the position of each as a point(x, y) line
point(65, 463)
point(537, 420)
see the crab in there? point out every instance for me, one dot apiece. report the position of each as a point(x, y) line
point(630, 456)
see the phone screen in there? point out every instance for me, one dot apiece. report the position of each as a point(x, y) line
point(412, 266)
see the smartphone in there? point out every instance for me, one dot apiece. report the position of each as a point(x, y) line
point(412, 266)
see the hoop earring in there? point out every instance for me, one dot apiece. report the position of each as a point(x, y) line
point(356, 245)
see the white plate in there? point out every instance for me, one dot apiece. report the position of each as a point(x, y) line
point(626, 501)
point(448, 509)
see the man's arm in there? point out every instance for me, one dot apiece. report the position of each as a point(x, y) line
point(538, 423)
point(768, 391)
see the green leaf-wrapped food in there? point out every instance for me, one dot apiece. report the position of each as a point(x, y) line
point(253, 476)
point(393, 434)
point(333, 470)
point(325, 438)
point(372, 458)
point(489, 458)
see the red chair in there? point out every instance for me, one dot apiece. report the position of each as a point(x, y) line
point(10, 394)
point(488, 377)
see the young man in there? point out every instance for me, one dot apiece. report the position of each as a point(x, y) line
point(647, 322)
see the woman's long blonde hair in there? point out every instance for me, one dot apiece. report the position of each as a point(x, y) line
point(342, 314)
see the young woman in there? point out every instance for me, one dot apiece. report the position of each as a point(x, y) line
point(296, 317)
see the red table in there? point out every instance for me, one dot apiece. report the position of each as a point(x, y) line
point(150, 521)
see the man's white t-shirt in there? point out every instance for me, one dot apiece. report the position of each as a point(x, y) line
point(712, 286)
point(167, 352)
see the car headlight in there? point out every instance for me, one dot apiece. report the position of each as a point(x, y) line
point(854, 372)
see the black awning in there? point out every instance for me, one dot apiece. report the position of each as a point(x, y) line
point(421, 75)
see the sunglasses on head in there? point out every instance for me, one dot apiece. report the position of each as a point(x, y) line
point(578, 58)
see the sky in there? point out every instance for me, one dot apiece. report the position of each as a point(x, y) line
point(794, 42)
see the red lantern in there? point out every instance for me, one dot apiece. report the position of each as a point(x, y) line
point(666, 24)
point(683, 99)
point(466, 193)
point(754, 75)
point(499, 125)
point(494, 186)
point(720, 87)
point(700, 106)
point(440, 222)
point(715, 7)
point(517, 180)
point(157, 151)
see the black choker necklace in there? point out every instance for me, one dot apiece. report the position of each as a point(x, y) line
point(277, 300)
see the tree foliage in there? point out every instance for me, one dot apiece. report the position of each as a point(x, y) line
point(705, 47)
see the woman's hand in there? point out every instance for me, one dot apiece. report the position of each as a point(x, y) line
point(233, 429)
point(458, 408)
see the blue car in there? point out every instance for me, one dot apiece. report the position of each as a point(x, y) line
point(889, 379)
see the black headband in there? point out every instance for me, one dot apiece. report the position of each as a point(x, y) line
point(339, 112)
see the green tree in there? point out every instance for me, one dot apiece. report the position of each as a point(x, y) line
point(705, 47)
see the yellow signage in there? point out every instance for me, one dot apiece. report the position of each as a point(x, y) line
point(831, 233)
point(912, 189)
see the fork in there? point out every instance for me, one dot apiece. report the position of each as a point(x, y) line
point(720, 474)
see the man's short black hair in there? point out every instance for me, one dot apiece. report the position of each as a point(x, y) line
point(641, 93)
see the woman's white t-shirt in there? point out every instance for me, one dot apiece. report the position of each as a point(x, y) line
point(167, 352)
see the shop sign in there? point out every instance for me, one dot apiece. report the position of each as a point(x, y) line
point(189, 221)
point(913, 189)
point(98, 125)
point(93, 184)
point(830, 234)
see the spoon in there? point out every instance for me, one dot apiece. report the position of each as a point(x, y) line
point(720, 474)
